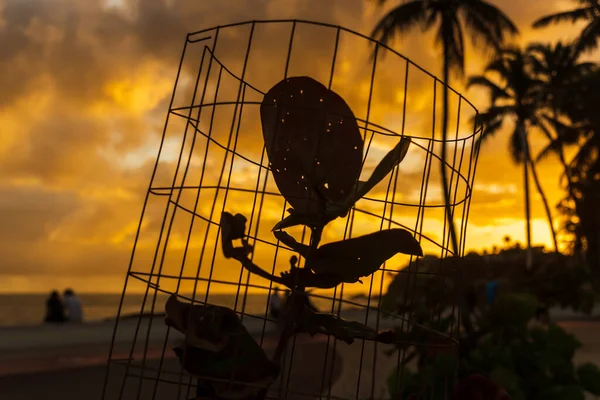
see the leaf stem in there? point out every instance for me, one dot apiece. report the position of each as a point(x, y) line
point(294, 307)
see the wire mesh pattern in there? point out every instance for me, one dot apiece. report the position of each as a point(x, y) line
point(212, 159)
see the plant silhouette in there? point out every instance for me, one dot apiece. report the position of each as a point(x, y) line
point(587, 12)
point(315, 152)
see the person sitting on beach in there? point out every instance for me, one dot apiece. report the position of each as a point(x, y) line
point(55, 312)
point(275, 304)
point(73, 306)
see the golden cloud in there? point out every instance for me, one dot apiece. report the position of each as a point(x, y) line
point(85, 94)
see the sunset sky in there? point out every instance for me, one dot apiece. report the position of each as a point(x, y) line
point(85, 87)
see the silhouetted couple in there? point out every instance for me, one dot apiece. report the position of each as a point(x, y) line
point(67, 309)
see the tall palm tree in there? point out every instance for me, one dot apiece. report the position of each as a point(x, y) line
point(584, 127)
point(589, 11)
point(516, 97)
point(487, 26)
point(584, 168)
point(560, 70)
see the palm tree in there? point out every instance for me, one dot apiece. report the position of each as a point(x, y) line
point(516, 97)
point(584, 127)
point(588, 10)
point(487, 27)
point(584, 167)
point(558, 67)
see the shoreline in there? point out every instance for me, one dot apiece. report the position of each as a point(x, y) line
point(75, 376)
point(38, 348)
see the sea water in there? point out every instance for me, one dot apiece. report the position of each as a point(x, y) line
point(29, 309)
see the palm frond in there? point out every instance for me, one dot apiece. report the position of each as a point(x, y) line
point(501, 64)
point(400, 20)
point(538, 55)
point(495, 111)
point(572, 16)
point(588, 40)
point(487, 23)
point(553, 147)
point(585, 156)
point(585, 68)
point(543, 49)
point(489, 128)
point(566, 134)
point(496, 92)
point(492, 120)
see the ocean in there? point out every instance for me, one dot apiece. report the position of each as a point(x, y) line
point(29, 309)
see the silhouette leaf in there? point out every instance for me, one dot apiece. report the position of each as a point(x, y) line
point(232, 228)
point(248, 368)
point(289, 241)
point(296, 218)
point(217, 345)
point(312, 139)
point(385, 166)
point(362, 256)
point(204, 326)
point(304, 277)
point(347, 331)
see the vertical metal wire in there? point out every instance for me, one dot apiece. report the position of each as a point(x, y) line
point(239, 103)
point(423, 196)
point(331, 75)
point(197, 200)
point(362, 350)
point(293, 349)
point(137, 234)
point(184, 258)
point(160, 236)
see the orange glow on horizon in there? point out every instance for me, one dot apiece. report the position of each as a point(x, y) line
point(78, 147)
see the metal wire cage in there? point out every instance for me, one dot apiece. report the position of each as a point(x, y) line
point(212, 158)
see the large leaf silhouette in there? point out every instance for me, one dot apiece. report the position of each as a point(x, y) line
point(247, 368)
point(363, 255)
point(218, 346)
point(304, 277)
point(205, 326)
point(312, 139)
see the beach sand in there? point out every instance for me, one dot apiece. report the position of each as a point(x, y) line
point(69, 362)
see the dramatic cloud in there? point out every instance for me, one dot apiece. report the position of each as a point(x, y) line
point(85, 91)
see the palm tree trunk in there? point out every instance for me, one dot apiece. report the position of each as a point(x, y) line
point(529, 254)
point(538, 186)
point(563, 161)
point(444, 175)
